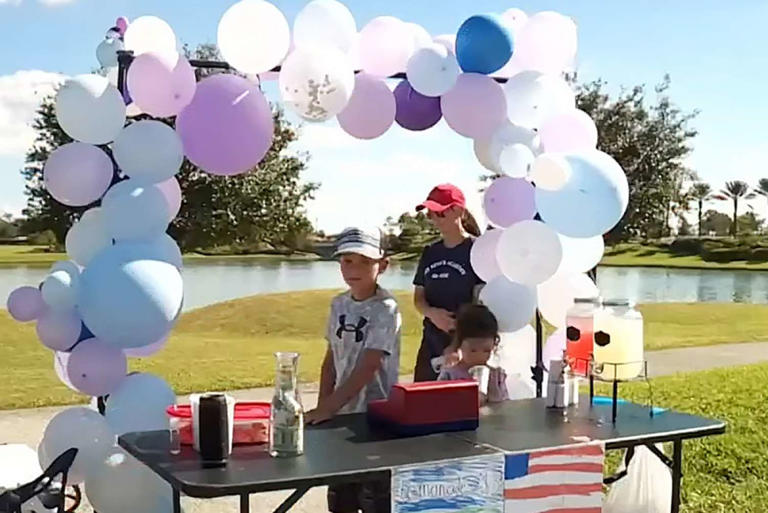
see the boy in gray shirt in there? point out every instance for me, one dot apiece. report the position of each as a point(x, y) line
point(363, 357)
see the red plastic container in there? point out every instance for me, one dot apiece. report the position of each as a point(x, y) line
point(251, 423)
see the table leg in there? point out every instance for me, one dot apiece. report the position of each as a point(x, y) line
point(677, 474)
point(245, 504)
point(176, 501)
point(292, 499)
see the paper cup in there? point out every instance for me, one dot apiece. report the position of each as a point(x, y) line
point(481, 374)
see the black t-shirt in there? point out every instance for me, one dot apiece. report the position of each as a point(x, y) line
point(449, 282)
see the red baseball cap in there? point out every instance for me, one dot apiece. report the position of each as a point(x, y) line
point(443, 197)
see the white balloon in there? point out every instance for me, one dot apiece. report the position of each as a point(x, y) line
point(532, 97)
point(516, 355)
point(448, 41)
point(515, 19)
point(557, 294)
point(316, 83)
point(488, 152)
point(90, 109)
point(83, 429)
point(134, 211)
point(529, 252)
point(152, 34)
point(547, 42)
point(325, 22)
point(87, 237)
point(550, 171)
point(106, 52)
point(516, 160)
point(512, 303)
point(60, 362)
point(115, 487)
point(421, 37)
point(59, 290)
point(482, 256)
point(432, 70)
point(149, 151)
point(133, 110)
point(139, 404)
point(386, 43)
point(112, 75)
point(580, 255)
point(553, 348)
point(253, 36)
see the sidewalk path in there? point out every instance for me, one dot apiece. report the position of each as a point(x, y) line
point(26, 426)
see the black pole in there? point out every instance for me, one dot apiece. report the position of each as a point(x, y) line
point(538, 370)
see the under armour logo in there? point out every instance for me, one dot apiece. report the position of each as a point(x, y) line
point(357, 329)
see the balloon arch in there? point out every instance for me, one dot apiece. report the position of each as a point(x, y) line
point(498, 81)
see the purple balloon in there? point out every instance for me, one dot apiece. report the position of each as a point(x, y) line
point(159, 89)
point(475, 107)
point(26, 304)
point(60, 361)
point(172, 192)
point(509, 200)
point(146, 351)
point(228, 128)
point(371, 109)
point(77, 174)
point(96, 368)
point(414, 110)
point(59, 330)
point(122, 24)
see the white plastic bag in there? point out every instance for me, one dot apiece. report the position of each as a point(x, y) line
point(647, 487)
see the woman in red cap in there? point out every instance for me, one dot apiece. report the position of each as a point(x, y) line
point(444, 278)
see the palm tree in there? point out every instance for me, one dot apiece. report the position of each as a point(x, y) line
point(700, 193)
point(734, 191)
point(762, 187)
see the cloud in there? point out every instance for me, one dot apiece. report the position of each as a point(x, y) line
point(53, 3)
point(20, 96)
point(10, 2)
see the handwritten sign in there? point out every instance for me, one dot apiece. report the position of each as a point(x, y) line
point(470, 485)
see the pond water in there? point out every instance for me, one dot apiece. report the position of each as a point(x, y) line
point(213, 281)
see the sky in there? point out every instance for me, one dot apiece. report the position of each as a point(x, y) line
point(716, 53)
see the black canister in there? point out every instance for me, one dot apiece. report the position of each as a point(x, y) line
point(214, 430)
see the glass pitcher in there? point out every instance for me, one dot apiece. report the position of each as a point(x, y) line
point(579, 333)
point(618, 341)
point(286, 427)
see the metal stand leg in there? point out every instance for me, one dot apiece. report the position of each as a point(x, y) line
point(615, 401)
point(176, 501)
point(677, 474)
point(292, 499)
point(245, 505)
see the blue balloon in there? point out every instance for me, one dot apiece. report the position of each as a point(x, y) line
point(162, 248)
point(483, 44)
point(139, 404)
point(592, 201)
point(129, 301)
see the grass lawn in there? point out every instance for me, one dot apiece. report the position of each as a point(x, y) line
point(627, 255)
point(230, 345)
point(725, 473)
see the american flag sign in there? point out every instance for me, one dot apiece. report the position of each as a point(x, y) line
point(568, 480)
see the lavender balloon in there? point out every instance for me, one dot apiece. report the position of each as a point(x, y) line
point(414, 110)
point(228, 128)
point(475, 107)
point(159, 88)
point(172, 192)
point(509, 200)
point(146, 351)
point(371, 109)
point(26, 304)
point(77, 174)
point(59, 330)
point(96, 368)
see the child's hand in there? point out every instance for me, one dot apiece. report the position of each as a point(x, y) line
point(443, 319)
point(451, 356)
point(318, 415)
